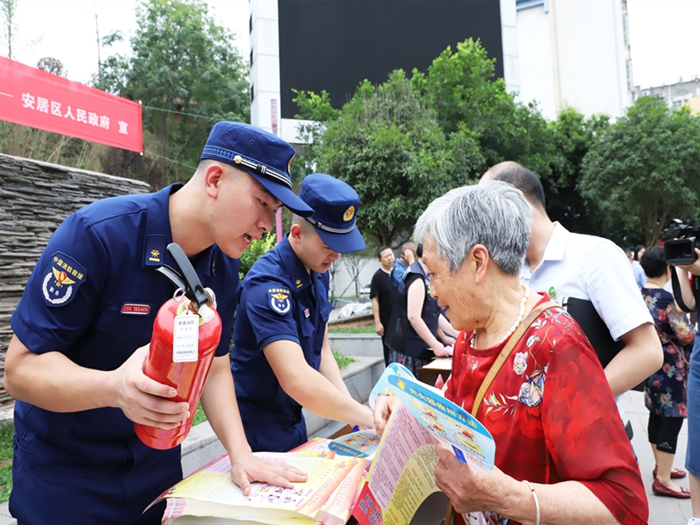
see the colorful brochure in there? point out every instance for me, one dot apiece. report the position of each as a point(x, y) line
point(209, 493)
point(401, 477)
point(361, 444)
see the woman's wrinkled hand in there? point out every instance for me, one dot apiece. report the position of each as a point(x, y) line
point(470, 489)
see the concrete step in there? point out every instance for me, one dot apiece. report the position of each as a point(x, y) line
point(356, 344)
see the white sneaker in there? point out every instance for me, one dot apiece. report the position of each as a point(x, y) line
point(694, 521)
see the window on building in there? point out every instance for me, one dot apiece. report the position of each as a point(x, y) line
point(628, 67)
point(251, 57)
point(252, 93)
point(526, 4)
point(626, 30)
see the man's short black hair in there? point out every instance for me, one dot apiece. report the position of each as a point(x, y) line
point(380, 250)
point(523, 179)
point(654, 262)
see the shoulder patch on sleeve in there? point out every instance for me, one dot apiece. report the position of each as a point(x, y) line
point(62, 279)
point(279, 300)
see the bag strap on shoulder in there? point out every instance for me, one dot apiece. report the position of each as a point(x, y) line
point(507, 350)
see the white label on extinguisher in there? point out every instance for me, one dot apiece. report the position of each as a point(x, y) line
point(186, 337)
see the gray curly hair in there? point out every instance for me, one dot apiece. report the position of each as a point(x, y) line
point(494, 214)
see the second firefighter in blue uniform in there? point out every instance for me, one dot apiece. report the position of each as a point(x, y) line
point(281, 359)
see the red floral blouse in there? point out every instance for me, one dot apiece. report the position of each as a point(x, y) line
point(552, 414)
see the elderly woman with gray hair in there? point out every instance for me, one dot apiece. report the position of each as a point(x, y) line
point(523, 367)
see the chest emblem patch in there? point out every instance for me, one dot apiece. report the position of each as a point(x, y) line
point(62, 279)
point(279, 300)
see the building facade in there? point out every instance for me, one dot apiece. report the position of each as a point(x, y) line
point(557, 53)
point(334, 45)
point(575, 53)
point(675, 95)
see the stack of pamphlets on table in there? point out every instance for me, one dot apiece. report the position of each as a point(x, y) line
point(377, 482)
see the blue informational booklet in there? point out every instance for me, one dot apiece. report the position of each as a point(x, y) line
point(447, 422)
point(383, 388)
point(360, 444)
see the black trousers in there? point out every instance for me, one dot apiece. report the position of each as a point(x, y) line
point(663, 432)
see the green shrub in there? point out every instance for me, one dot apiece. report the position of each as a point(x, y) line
point(342, 359)
point(256, 250)
point(7, 431)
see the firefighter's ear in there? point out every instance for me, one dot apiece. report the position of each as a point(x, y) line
point(213, 177)
point(295, 233)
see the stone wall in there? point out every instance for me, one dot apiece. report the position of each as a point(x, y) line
point(35, 197)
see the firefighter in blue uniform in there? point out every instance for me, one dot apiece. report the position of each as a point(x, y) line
point(82, 328)
point(281, 359)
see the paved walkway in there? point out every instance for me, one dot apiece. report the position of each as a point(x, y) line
point(663, 511)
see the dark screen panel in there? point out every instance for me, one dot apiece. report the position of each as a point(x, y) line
point(335, 44)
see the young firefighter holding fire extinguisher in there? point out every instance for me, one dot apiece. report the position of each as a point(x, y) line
point(75, 364)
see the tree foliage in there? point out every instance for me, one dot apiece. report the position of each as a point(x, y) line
point(8, 9)
point(186, 73)
point(571, 136)
point(32, 143)
point(257, 249)
point(462, 88)
point(387, 145)
point(316, 110)
point(409, 140)
point(644, 170)
point(52, 65)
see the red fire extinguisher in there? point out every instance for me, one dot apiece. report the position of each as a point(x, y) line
point(186, 333)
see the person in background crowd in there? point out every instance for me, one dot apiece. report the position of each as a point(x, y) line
point(83, 326)
point(639, 276)
point(380, 293)
point(639, 252)
point(414, 340)
point(398, 269)
point(561, 455)
point(692, 457)
point(665, 392)
point(564, 264)
point(281, 359)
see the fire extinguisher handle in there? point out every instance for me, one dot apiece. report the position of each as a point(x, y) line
point(186, 279)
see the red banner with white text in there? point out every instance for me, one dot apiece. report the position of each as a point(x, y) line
point(35, 98)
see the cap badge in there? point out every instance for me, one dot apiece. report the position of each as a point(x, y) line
point(349, 213)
